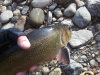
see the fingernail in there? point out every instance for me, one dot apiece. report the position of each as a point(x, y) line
point(24, 43)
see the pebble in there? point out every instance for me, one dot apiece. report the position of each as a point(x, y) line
point(21, 23)
point(53, 6)
point(19, 7)
point(93, 7)
point(98, 26)
point(57, 12)
point(79, 3)
point(9, 8)
point(45, 70)
point(83, 58)
point(56, 71)
point(7, 2)
point(22, 3)
point(97, 38)
point(3, 8)
point(93, 63)
point(37, 17)
point(54, 19)
point(80, 37)
point(98, 59)
point(6, 16)
point(16, 12)
point(91, 28)
point(14, 19)
point(41, 3)
point(60, 19)
point(62, 1)
point(14, 5)
point(49, 20)
point(25, 10)
point(82, 17)
point(67, 22)
point(7, 26)
point(0, 25)
point(70, 10)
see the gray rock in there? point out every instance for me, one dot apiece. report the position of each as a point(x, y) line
point(49, 20)
point(67, 22)
point(53, 6)
point(14, 5)
point(98, 59)
point(58, 12)
point(25, 9)
point(60, 19)
point(16, 12)
point(93, 63)
point(7, 26)
point(14, 19)
point(9, 8)
point(97, 38)
point(84, 52)
point(41, 3)
point(73, 68)
point(94, 7)
point(0, 25)
point(22, 3)
point(98, 26)
point(83, 58)
point(37, 17)
point(80, 37)
point(7, 2)
point(79, 3)
point(91, 28)
point(70, 10)
point(62, 1)
point(6, 15)
point(56, 71)
point(21, 23)
point(82, 17)
point(19, 7)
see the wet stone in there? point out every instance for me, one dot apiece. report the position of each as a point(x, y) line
point(93, 63)
point(25, 10)
point(7, 26)
point(52, 7)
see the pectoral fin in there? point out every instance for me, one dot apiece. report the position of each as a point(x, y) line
point(64, 55)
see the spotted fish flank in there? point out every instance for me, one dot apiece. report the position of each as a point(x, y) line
point(46, 43)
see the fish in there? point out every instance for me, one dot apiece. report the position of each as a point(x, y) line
point(46, 43)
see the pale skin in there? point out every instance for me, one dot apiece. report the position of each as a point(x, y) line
point(24, 43)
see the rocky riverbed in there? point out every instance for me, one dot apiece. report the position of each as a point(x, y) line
point(82, 15)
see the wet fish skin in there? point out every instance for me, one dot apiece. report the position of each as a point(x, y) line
point(45, 42)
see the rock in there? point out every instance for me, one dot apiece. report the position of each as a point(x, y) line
point(93, 7)
point(62, 1)
point(6, 15)
point(98, 59)
point(14, 5)
point(53, 6)
point(80, 37)
point(36, 17)
point(67, 22)
point(45, 70)
point(7, 26)
point(49, 20)
point(14, 19)
point(82, 17)
point(25, 9)
point(58, 12)
point(98, 26)
point(91, 28)
point(73, 68)
point(56, 71)
point(84, 52)
point(60, 19)
point(9, 8)
point(93, 63)
point(84, 58)
point(41, 3)
point(0, 25)
point(19, 7)
point(53, 63)
point(16, 12)
point(7, 2)
point(70, 10)
point(79, 3)
point(21, 23)
point(3, 8)
point(97, 38)
point(22, 3)
point(54, 19)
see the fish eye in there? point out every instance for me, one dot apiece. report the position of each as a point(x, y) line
point(69, 27)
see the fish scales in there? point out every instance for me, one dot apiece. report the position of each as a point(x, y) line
point(45, 42)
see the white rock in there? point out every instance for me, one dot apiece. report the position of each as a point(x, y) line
point(40, 3)
point(7, 26)
point(6, 15)
point(70, 10)
point(7, 2)
point(16, 12)
point(79, 3)
point(3, 8)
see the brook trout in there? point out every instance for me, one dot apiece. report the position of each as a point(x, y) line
point(46, 43)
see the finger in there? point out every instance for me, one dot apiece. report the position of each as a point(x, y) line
point(23, 42)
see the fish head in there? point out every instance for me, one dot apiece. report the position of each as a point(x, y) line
point(66, 33)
